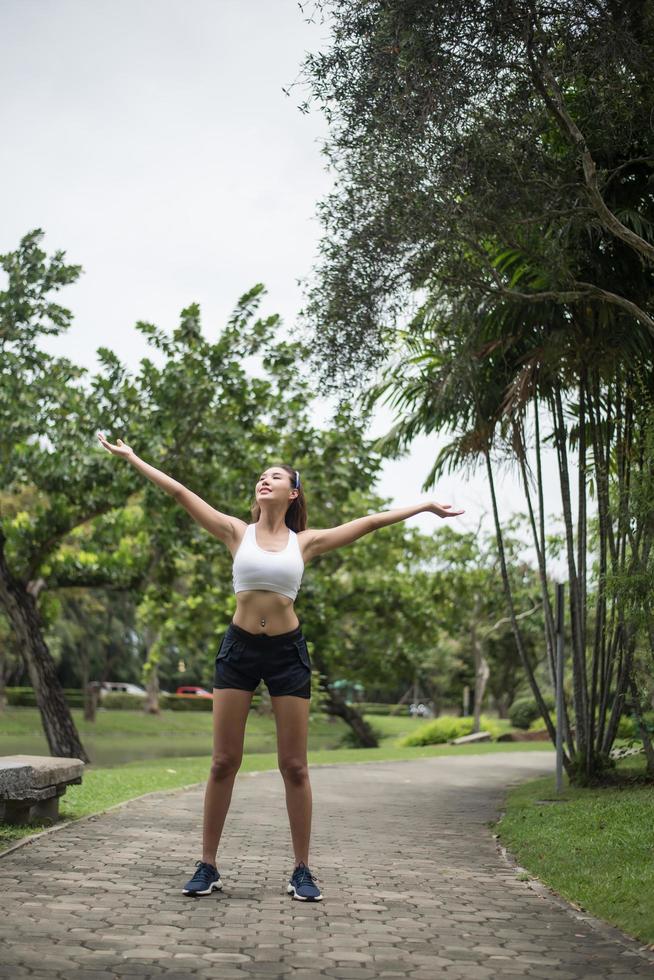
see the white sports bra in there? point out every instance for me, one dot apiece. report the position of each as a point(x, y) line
point(272, 571)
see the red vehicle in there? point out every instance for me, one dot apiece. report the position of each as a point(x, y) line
point(189, 691)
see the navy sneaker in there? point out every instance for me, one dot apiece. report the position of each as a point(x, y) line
point(205, 879)
point(302, 885)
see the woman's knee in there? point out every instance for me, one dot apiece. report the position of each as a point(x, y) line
point(294, 770)
point(223, 765)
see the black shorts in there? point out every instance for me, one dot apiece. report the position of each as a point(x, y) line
point(282, 661)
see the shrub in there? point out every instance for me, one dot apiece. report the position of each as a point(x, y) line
point(24, 697)
point(538, 724)
point(524, 711)
point(121, 701)
point(177, 702)
point(440, 730)
point(628, 726)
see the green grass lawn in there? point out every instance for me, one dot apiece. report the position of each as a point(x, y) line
point(118, 737)
point(596, 849)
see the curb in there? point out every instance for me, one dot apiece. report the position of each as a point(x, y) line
point(577, 912)
point(93, 816)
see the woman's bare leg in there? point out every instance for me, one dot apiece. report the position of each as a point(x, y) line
point(292, 721)
point(230, 712)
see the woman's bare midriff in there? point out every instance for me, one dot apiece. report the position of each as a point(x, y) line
point(254, 605)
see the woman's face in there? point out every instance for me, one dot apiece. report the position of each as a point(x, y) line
point(273, 484)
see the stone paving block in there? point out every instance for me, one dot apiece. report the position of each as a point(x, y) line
point(348, 955)
point(94, 975)
point(264, 969)
point(350, 973)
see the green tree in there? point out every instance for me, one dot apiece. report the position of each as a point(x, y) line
point(498, 159)
point(72, 520)
point(46, 420)
point(461, 132)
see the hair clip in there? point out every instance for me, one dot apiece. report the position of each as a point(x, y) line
point(297, 480)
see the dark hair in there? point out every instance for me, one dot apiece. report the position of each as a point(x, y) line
point(296, 514)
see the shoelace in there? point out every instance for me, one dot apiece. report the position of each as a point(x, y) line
point(204, 870)
point(303, 875)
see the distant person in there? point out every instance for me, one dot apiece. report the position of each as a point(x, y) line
point(265, 640)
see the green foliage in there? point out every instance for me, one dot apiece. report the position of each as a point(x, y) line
point(524, 711)
point(133, 587)
point(440, 730)
point(628, 726)
point(431, 193)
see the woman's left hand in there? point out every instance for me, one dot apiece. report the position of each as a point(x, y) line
point(444, 510)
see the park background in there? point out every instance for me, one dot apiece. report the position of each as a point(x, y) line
point(161, 152)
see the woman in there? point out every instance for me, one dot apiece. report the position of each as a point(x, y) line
point(265, 640)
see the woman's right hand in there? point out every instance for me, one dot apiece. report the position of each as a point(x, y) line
point(120, 449)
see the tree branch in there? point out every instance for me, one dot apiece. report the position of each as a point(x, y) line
point(507, 619)
point(543, 77)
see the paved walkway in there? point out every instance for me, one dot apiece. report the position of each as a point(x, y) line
point(413, 881)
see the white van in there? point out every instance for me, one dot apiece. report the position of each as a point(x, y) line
point(119, 687)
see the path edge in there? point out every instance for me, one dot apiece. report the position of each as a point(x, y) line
point(98, 813)
point(608, 931)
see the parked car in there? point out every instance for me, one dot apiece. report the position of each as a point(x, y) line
point(120, 687)
point(190, 691)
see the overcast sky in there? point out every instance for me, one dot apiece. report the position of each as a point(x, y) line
point(152, 141)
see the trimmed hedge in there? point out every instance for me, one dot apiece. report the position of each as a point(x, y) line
point(378, 708)
point(440, 730)
point(24, 697)
point(121, 701)
point(177, 702)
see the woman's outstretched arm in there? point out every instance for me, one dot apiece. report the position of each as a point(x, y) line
point(222, 526)
point(327, 539)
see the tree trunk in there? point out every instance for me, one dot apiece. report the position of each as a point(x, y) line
point(642, 728)
point(91, 696)
point(533, 683)
point(3, 681)
point(336, 705)
point(502, 704)
point(20, 605)
point(482, 670)
point(578, 655)
point(482, 673)
point(151, 706)
point(265, 705)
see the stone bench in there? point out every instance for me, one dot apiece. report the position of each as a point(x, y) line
point(30, 786)
point(475, 737)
